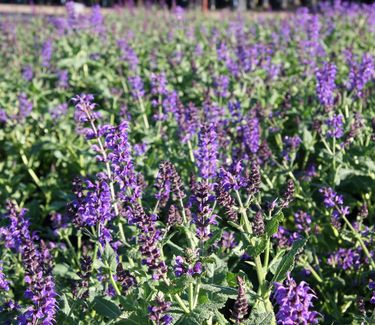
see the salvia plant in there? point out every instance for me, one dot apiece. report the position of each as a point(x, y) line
point(201, 170)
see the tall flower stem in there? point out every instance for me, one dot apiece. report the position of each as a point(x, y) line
point(176, 297)
point(191, 296)
point(258, 263)
point(31, 172)
point(143, 111)
point(191, 154)
point(109, 174)
point(113, 282)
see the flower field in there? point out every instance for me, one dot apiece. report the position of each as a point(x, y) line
point(179, 168)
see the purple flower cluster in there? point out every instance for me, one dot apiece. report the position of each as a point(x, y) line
point(46, 54)
point(136, 86)
point(128, 55)
point(302, 221)
point(168, 181)
point(4, 284)
point(291, 145)
point(285, 238)
point(207, 153)
point(148, 239)
point(233, 178)
point(325, 84)
point(62, 79)
point(158, 84)
point(187, 118)
point(92, 204)
point(241, 306)
point(345, 259)
point(295, 303)
point(157, 313)
point(37, 265)
point(204, 217)
point(221, 84)
point(251, 134)
point(182, 267)
point(119, 157)
point(335, 126)
point(85, 106)
point(58, 111)
point(97, 19)
point(25, 107)
point(359, 73)
point(227, 241)
point(334, 201)
point(27, 72)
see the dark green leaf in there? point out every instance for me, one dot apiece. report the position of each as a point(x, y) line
point(106, 308)
point(273, 225)
point(287, 262)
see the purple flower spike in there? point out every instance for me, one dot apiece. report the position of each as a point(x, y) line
point(335, 126)
point(251, 134)
point(46, 55)
point(25, 106)
point(241, 306)
point(325, 84)
point(157, 313)
point(207, 153)
point(27, 72)
point(4, 284)
point(295, 303)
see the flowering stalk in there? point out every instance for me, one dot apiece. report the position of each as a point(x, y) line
point(84, 103)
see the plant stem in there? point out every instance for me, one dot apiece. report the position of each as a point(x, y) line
point(196, 294)
point(258, 263)
point(191, 296)
point(358, 237)
point(114, 284)
point(29, 169)
point(313, 272)
point(143, 110)
point(191, 154)
point(181, 303)
point(267, 256)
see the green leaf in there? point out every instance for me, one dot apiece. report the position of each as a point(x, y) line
point(287, 262)
point(276, 261)
point(217, 289)
point(256, 318)
point(65, 308)
point(109, 257)
point(65, 271)
point(106, 308)
point(308, 140)
point(273, 225)
point(258, 248)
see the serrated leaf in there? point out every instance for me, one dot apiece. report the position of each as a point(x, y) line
point(65, 271)
point(276, 261)
point(308, 140)
point(260, 319)
point(109, 257)
point(65, 308)
point(258, 247)
point(273, 225)
point(217, 289)
point(287, 262)
point(106, 308)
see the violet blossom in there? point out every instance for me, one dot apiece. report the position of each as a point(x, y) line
point(295, 303)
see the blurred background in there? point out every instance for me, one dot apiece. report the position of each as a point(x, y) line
point(193, 4)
